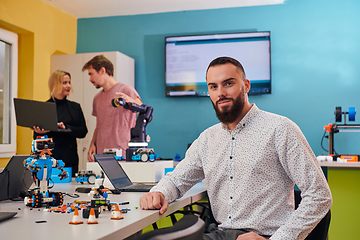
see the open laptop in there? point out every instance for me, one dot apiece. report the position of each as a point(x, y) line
point(117, 175)
point(15, 178)
point(6, 215)
point(30, 113)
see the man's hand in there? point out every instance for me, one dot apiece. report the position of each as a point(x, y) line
point(128, 98)
point(250, 236)
point(91, 152)
point(154, 200)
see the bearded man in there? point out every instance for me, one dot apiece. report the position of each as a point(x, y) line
point(250, 162)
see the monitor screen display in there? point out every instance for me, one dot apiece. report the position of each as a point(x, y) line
point(187, 58)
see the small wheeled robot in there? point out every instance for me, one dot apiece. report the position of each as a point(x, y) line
point(85, 176)
point(144, 155)
point(99, 201)
point(40, 163)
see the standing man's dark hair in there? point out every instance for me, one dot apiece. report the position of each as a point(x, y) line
point(98, 62)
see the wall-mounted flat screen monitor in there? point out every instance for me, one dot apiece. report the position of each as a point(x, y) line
point(187, 58)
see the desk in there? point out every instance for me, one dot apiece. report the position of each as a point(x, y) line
point(344, 183)
point(340, 165)
point(23, 225)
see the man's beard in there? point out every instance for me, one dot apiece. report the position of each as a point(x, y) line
point(230, 114)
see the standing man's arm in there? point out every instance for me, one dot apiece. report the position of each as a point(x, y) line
point(92, 148)
point(129, 99)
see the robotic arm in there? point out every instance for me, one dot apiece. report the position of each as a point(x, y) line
point(138, 133)
point(139, 140)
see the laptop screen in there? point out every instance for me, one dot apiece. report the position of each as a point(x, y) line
point(113, 170)
point(15, 178)
point(30, 113)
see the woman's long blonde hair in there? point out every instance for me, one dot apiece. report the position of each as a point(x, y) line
point(55, 82)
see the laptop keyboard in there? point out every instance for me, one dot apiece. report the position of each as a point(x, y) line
point(136, 187)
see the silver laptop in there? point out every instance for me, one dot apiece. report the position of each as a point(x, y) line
point(30, 113)
point(117, 175)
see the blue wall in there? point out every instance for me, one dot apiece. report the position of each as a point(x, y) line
point(315, 65)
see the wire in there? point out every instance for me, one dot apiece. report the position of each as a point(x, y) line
point(74, 195)
point(151, 118)
point(326, 150)
point(322, 140)
point(335, 153)
point(336, 116)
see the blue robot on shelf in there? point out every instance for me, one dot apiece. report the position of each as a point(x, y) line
point(40, 163)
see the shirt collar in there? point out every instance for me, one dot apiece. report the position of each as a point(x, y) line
point(254, 110)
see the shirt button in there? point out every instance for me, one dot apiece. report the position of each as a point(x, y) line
point(233, 138)
point(231, 177)
point(230, 157)
point(229, 217)
point(244, 125)
point(230, 197)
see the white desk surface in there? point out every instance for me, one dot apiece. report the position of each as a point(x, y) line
point(333, 164)
point(57, 226)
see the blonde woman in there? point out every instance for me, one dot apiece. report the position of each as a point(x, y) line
point(70, 116)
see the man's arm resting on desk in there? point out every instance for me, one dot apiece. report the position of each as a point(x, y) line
point(154, 200)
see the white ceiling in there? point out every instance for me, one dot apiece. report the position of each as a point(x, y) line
point(105, 8)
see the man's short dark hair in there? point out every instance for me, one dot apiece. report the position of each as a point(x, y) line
point(225, 60)
point(98, 62)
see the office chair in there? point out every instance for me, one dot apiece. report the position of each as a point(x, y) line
point(190, 227)
point(320, 232)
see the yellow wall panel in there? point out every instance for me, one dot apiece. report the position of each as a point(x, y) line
point(43, 30)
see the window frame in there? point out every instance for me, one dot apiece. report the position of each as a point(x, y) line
point(9, 149)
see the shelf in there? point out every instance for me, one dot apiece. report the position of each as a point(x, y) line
point(340, 164)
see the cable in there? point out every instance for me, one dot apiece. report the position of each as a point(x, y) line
point(322, 140)
point(326, 150)
point(73, 195)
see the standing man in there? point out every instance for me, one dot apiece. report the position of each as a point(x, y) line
point(250, 162)
point(112, 124)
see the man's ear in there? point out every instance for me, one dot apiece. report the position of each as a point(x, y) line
point(247, 85)
point(102, 70)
